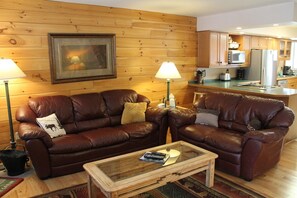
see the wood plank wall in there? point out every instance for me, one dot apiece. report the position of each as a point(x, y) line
point(143, 41)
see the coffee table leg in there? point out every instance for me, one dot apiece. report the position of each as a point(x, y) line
point(90, 192)
point(210, 173)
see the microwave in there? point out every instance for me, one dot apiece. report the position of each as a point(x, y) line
point(236, 57)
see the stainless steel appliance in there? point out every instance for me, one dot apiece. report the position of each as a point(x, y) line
point(263, 67)
point(225, 76)
point(236, 57)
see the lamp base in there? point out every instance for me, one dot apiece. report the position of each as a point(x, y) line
point(14, 161)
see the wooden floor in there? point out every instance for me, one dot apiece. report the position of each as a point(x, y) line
point(279, 182)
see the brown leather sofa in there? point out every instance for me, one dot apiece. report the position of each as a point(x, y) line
point(93, 125)
point(243, 151)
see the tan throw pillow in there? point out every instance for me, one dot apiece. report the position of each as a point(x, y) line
point(207, 117)
point(51, 125)
point(134, 112)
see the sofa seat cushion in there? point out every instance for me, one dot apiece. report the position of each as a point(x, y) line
point(218, 138)
point(105, 136)
point(139, 129)
point(196, 132)
point(70, 143)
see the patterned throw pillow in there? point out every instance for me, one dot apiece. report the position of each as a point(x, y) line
point(207, 117)
point(51, 125)
point(134, 112)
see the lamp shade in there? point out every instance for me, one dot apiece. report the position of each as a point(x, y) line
point(168, 70)
point(9, 70)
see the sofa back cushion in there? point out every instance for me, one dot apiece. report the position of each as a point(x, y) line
point(115, 101)
point(60, 105)
point(237, 112)
point(262, 109)
point(225, 103)
point(89, 111)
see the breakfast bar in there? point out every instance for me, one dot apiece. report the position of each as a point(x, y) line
point(287, 95)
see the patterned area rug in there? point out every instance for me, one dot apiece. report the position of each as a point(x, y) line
point(7, 183)
point(189, 187)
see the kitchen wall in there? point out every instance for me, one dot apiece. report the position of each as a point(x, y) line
point(214, 73)
point(143, 41)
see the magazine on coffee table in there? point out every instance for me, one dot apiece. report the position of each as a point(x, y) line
point(157, 157)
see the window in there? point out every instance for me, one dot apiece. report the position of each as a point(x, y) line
point(293, 61)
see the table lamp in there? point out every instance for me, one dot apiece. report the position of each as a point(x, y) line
point(168, 71)
point(9, 70)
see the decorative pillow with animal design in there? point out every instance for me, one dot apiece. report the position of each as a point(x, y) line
point(51, 125)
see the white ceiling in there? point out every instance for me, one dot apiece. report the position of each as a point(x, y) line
point(210, 8)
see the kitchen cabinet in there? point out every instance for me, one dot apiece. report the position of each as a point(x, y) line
point(244, 45)
point(259, 42)
point(292, 83)
point(212, 49)
point(272, 43)
point(285, 49)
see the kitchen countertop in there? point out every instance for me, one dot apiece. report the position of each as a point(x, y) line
point(233, 86)
point(286, 77)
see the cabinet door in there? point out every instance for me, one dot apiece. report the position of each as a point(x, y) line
point(214, 49)
point(218, 48)
point(272, 43)
point(285, 49)
point(223, 52)
point(282, 45)
point(288, 49)
point(263, 42)
point(259, 42)
point(255, 42)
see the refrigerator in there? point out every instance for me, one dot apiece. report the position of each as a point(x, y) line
point(263, 67)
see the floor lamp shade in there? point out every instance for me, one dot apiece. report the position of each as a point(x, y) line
point(9, 70)
point(168, 71)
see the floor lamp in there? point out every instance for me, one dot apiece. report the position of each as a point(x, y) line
point(9, 70)
point(168, 71)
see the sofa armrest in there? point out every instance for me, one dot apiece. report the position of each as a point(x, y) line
point(155, 114)
point(261, 151)
point(180, 117)
point(266, 136)
point(25, 114)
point(29, 131)
point(158, 116)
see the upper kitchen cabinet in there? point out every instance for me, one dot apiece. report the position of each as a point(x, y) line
point(259, 42)
point(244, 42)
point(285, 49)
point(212, 49)
point(272, 43)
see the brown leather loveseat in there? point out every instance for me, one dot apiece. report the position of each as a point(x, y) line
point(93, 130)
point(249, 135)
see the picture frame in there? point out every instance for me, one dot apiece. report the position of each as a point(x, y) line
point(81, 57)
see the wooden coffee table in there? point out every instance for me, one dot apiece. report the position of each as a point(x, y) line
point(126, 175)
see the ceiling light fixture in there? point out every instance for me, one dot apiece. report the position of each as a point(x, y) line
point(239, 28)
point(275, 24)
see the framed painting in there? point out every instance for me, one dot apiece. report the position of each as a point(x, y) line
point(80, 57)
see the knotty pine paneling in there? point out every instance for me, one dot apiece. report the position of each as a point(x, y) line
point(143, 41)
